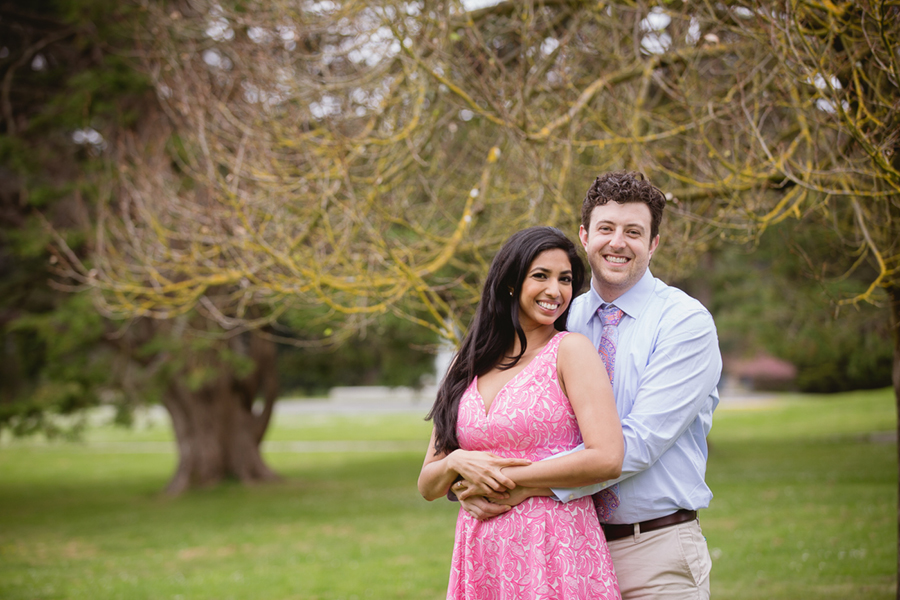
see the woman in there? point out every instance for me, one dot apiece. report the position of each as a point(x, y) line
point(520, 390)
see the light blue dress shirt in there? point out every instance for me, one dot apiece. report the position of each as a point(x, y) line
point(666, 371)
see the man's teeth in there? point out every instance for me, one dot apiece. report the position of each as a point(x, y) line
point(547, 305)
point(617, 259)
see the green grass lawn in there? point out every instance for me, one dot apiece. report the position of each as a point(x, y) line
point(805, 507)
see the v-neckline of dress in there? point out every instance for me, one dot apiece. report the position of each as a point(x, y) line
point(486, 410)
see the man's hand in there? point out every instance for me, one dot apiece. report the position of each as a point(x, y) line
point(487, 506)
point(482, 469)
point(483, 509)
point(464, 490)
point(520, 494)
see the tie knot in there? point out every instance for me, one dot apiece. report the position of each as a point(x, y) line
point(610, 315)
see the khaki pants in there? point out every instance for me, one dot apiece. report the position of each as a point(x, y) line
point(670, 563)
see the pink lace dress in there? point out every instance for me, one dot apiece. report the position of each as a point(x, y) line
point(541, 548)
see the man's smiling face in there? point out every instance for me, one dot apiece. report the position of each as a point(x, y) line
point(618, 246)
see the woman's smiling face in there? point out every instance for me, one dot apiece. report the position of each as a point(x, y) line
point(547, 289)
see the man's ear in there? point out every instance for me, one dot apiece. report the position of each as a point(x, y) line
point(583, 236)
point(654, 244)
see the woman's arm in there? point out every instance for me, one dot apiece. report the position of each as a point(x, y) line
point(583, 378)
point(482, 468)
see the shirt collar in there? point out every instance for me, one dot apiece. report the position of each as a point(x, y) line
point(631, 302)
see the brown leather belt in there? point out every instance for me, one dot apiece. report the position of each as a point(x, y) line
point(616, 532)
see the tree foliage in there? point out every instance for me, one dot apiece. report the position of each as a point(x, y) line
point(367, 157)
point(766, 299)
point(70, 99)
point(820, 142)
point(370, 156)
point(389, 352)
point(59, 87)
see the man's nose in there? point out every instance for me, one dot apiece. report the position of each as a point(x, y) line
point(618, 239)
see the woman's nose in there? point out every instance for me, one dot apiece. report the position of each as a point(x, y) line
point(553, 288)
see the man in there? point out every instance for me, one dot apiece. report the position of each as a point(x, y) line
point(664, 368)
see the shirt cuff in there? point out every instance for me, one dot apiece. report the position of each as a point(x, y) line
point(569, 494)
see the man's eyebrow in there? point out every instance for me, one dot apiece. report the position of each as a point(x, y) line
point(627, 225)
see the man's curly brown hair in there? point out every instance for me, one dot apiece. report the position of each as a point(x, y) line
point(622, 187)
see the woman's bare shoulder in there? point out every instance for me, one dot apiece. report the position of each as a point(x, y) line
point(576, 348)
point(575, 342)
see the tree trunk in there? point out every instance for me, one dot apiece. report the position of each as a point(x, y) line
point(219, 426)
point(894, 298)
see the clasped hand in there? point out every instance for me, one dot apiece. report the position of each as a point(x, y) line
point(485, 491)
point(486, 506)
point(482, 470)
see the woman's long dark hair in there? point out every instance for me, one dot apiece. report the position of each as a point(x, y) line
point(496, 322)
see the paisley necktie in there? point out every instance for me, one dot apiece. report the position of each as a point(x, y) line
point(605, 501)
